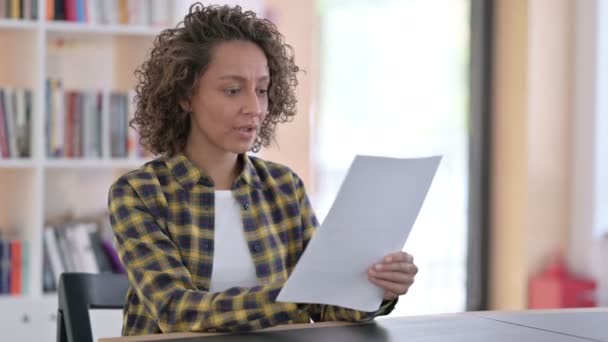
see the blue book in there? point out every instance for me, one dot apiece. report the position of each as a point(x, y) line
point(5, 267)
point(80, 16)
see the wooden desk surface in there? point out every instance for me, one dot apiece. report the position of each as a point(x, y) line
point(575, 325)
point(591, 324)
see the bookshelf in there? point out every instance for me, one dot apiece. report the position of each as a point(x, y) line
point(95, 51)
point(94, 56)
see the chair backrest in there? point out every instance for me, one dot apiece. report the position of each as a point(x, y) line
point(79, 292)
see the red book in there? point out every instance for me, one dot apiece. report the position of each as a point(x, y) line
point(15, 259)
point(70, 10)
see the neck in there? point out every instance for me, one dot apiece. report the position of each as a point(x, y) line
point(221, 166)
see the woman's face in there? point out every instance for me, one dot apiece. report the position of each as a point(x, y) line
point(230, 100)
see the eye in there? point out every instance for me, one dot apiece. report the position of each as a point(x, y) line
point(262, 91)
point(232, 91)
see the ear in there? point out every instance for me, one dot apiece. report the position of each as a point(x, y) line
point(185, 105)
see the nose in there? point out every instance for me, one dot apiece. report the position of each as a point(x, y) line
point(253, 104)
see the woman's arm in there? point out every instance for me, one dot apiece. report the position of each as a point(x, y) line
point(164, 285)
point(318, 312)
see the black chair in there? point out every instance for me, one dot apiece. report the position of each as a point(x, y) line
point(79, 292)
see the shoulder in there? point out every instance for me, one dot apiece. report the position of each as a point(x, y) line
point(145, 180)
point(278, 178)
point(272, 172)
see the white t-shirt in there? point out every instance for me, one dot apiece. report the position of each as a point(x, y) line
point(232, 263)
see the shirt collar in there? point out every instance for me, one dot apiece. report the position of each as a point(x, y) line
point(249, 173)
point(187, 174)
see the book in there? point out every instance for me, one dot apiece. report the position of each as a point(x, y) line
point(16, 267)
point(54, 254)
point(4, 151)
point(5, 266)
point(117, 266)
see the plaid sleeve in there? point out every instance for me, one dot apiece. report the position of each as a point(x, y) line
point(164, 285)
point(322, 313)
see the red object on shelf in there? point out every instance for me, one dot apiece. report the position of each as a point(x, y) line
point(555, 287)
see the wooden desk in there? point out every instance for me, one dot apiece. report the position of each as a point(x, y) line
point(587, 323)
point(527, 326)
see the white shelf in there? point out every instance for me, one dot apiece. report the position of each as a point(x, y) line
point(124, 30)
point(18, 24)
point(47, 297)
point(80, 28)
point(93, 163)
point(16, 163)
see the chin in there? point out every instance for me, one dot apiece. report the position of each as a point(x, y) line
point(241, 149)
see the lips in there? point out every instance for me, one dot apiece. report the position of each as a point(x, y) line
point(247, 132)
point(247, 128)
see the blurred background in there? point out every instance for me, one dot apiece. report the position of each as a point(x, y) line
point(512, 93)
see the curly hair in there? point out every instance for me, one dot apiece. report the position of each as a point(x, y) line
point(182, 54)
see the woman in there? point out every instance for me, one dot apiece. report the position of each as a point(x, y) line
point(208, 235)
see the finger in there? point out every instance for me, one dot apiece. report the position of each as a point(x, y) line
point(395, 277)
point(390, 286)
point(389, 295)
point(396, 267)
point(398, 257)
point(387, 286)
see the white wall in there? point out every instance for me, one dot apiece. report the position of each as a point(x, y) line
point(589, 225)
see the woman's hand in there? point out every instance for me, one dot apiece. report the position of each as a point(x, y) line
point(395, 274)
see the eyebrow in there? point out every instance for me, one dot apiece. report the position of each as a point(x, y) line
point(243, 79)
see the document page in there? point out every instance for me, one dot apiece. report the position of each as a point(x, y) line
point(372, 216)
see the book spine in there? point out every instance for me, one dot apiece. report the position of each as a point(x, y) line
point(27, 132)
point(15, 260)
point(68, 138)
point(59, 119)
point(2, 267)
point(50, 9)
point(20, 122)
point(60, 10)
point(3, 9)
point(15, 9)
point(34, 7)
point(80, 11)
point(108, 247)
point(70, 10)
point(3, 133)
point(25, 266)
point(5, 279)
point(26, 5)
point(9, 122)
point(54, 254)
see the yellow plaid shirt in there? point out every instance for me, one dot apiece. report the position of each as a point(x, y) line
point(162, 215)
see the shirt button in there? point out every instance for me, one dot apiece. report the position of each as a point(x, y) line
point(246, 206)
point(257, 247)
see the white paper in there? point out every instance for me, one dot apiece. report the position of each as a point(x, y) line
point(105, 323)
point(371, 217)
